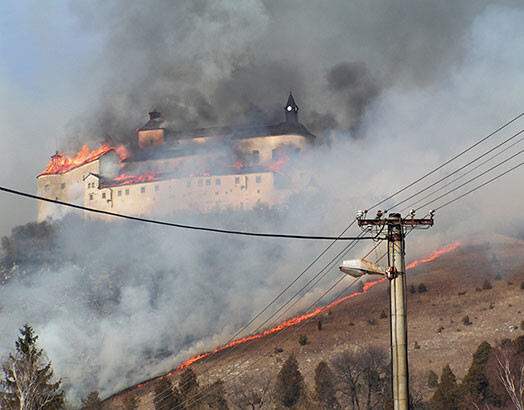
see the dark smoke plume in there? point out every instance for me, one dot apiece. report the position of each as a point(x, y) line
point(206, 63)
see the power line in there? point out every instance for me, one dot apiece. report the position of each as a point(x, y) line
point(480, 186)
point(476, 177)
point(448, 161)
point(462, 167)
point(182, 226)
point(461, 176)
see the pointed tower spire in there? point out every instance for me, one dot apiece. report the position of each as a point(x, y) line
point(291, 109)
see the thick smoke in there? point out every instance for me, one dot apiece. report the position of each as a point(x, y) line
point(219, 63)
point(117, 303)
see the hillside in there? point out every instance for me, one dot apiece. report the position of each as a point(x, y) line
point(454, 289)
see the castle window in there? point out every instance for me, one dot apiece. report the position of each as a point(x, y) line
point(208, 182)
point(237, 180)
point(200, 182)
point(62, 185)
point(274, 154)
point(47, 187)
point(143, 189)
point(90, 197)
point(103, 195)
point(217, 181)
point(188, 184)
point(127, 191)
point(258, 179)
point(256, 156)
point(120, 193)
point(258, 191)
point(157, 188)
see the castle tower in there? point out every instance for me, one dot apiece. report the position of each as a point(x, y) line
point(291, 109)
point(152, 133)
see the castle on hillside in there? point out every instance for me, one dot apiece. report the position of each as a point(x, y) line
point(197, 171)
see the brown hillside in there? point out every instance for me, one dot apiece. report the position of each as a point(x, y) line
point(454, 290)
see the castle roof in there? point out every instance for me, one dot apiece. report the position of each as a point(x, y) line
point(243, 132)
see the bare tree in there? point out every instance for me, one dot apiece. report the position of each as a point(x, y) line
point(251, 393)
point(361, 376)
point(512, 377)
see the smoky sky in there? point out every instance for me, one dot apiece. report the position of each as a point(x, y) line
point(206, 63)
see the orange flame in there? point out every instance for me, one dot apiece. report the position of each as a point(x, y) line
point(238, 164)
point(124, 179)
point(276, 166)
point(60, 164)
point(435, 255)
point(299, 319)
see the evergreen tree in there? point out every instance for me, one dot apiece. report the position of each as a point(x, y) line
point(324, 387)
point(165, 396)
point(289, 387)
point(432, 379)
point(189, 389)
point(26, 383)
point(446, 395)
point(217, 396)
point(130, 402)
point(92, 401)
point(475, 385)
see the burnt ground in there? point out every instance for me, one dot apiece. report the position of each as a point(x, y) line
point(435, 320)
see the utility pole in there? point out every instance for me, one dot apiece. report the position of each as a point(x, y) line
point(396, 231)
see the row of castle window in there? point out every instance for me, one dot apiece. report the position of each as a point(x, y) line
point(218, 182)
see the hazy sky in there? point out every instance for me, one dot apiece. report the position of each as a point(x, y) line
point(73, 72)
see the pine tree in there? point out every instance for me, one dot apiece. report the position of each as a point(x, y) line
point(92, 401)
point(475, 385)
point(189, 389)
point(130, 402)
point(432, 379)
point(217, 396)
point(446, 395)
point(165, 396)
point(27, 377)
point(289, 387)
point(324, 387)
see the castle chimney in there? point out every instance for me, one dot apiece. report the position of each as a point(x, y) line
point(154, 115)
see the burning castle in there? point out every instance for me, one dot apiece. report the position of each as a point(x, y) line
point(201, 170)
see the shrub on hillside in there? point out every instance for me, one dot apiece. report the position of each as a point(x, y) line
point(422, 288)
point(432, 379)
point(466, 320)
point(486, 285)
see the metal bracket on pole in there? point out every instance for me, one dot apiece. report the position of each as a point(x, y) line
point(391, 273)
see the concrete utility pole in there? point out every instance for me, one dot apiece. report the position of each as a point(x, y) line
point(396, 226)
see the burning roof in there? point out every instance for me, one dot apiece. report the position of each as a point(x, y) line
point(60, 163)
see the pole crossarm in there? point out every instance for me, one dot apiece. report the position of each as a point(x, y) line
point(405, 222)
